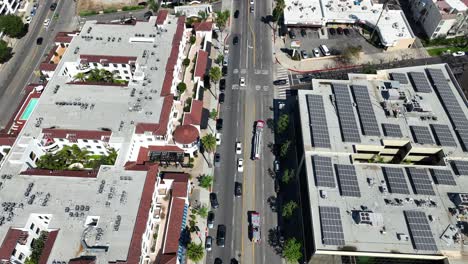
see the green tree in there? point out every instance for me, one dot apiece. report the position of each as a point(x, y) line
point(222, 18)
point(181, 87)
point(12, 26)
point(283, 123)
point(205, 181)
point(186, 62)
point(37, 247)
point(195, 252)
point(203, 211)
point(5, 51)
point(289, 208)
point(192, 40)
point(81, 76)
point(292, 250)
point(219, 59)
point(287, 176)
point(351, 53)
point(278, 10)
point(209, 142)
point(215, 74)
point(213, 114)
point(203, 15)
point(153, 6)
point(285, 148)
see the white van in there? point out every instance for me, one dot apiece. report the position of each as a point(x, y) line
point(325, 50)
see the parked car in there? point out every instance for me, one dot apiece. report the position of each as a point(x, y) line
point(276, 166)
point(221, 235)
point(235, 40)
point(237, 189)
point(211, 219)
point(222, 85)
point(218, 261)
point(251, 2)
point(33, 12)
point(277, 185)
point(28, 20)
point(53, 6)
point(252, 9)
point(242, 81)
point(332, 31)
point(219, 124)
point(214, 200)
point(208, 243)
point(147, 15)
point(221, 98)
point(303, 32)
point(240, 165)
point(236, 14)
point(280, 82)
point(339, 31)
point(224, 70)
point(238, 148)
point(458, 54)
point(304, 54)
point(217, 159)
point(316, 52)
point(292, 35)
point(39, 40)
point(346, 31)
point(218, 139)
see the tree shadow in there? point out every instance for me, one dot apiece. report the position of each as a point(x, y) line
point(274, 241)
point(273, 203)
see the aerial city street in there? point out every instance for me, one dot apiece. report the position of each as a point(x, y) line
point(234, 131)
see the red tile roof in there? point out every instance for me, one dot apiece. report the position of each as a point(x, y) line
point(202, 61)
point(167, 259)
point(7, 141)
point(167, 83)
point(195, 115)
point(166, 148)
point(179, 33)
point(108, 59)
point(60, 173)
point(48, 245)
point(203, 26)
point(46, 66)
point(161, 17)
point(173, 226)
point(173, 57)
point(176, 176)
point(181, 20)
point(159, 129)
point(83, 260)
point(63, 39)
point(179, 189)
point(186, 134)
point(77, 134)
point(9, 243)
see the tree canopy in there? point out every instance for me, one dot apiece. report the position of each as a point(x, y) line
point(285, 148)
point(287, 176)
point(12, 26)
point(5, 51)
point(215, 74)
point(283, 123)
point(195, 252)
point(292, 250)
point(289, 208)
point(181, 87)
point(209, 142)
point(205, 181)
point(222, 18)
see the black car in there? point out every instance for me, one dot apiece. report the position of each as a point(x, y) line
point(292, 35)
point(236, 14)
point(346, 31)
point(221, 98)
point(340, 31)
point(221, 235)
point(332, 31)
point(218, 261)
point(211, 219)
point(39, 40)
point(217, 159)
point(303, 32)
point(224, 70)
point(147, 15)
point(214, 200)
point(219, 124)
point(53, 6)
point(280, 82)
point(234, 261)
point(235, 40)
point(222, 85)
point(238, 189)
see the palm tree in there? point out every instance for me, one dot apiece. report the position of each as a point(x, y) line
point(195, 252)
point(215, 75)
point(209, 142)
point(106, 75)
point(80, 76)
point(94, 75)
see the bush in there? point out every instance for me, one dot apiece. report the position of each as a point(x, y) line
point(5, 52)
point(186, 62)
point(181, 87)
point(88, 13)
point(205, 181)
point(193, 39)
point(130, 8)
point(110, 10)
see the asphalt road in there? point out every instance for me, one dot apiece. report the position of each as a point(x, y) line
point(17, 72)
point(250, 58)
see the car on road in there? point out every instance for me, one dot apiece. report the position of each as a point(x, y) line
point(47, 22)
point(240, 165)
point(53, 6)
point(237, 189)
point(251, 2)
point(28, 20)
point(303, 32)
point(210, 220)
point(292, 35)
point(225, 61)
point(218, 139)
point(234, 261)
point(226, 49)
point(218, 261)
point(238, 148)
point(221, 98)
point(214, 200)
point(219, 124)
point(235, 40)
point(236, 14)
point(316, 52)
point(280, 82)
point(33, 12)
point(208, 243)
point(222, 85)
point(276, 166)
point(252, 9)
point(339, 31)
point(332, 31)
point(346, 31)
point(39, 40)
point(242, 81)
point(217, 159)
point(458, 54)
point(221, 235)
point(224, 70)
point(304, 54)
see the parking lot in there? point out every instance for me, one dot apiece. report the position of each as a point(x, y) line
point(335, 40)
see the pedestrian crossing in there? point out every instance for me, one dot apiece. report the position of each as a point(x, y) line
point(281, 91)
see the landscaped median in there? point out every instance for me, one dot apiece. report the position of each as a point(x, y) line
point(110, 10)
point(445, 50)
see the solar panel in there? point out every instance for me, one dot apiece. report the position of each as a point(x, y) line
point(421, 135)
point(392, 130)
point(318, 122)
point(444, 177)
point(323, 171)
point(420, 231)
point(366, 113)
point(461, 167)
point(443, 135)
point(395, 178)
point(349, 128)
point(420, 82)
point(332, 229)
point(400, 77)
point(420, 181)
point(450, 102)
point(348, 180)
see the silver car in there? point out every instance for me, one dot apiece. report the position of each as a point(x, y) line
point(208, 243)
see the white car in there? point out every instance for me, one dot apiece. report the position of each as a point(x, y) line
point(251, 2)
point(238, 148)
point(240, 165)
point(316, 52)
point(242, 81)
point(47, 22)
point(218, 139)
point(28, 19)
point(458, 54)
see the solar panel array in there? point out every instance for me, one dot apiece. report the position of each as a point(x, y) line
point(420, 82)
point(453, 108)
point(318, 122)
point(323, 171)
point(420, 231)
point(395, 178)
point(392, 130)
point(344, 105)
point(400, 77)
point(421, 135)
point(443, 135)
point(348, 180)
point(332, 229)
point(420, 181)
point(461, 167)
point(366, 113)
point(444, 177)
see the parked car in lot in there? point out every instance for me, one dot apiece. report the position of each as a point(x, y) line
point(240, 165)
point(238, 189)
point(325, 50)
point(208, 243)
point(238, 148)
point(339, 31)
point(458, 54)
point(214, 200)
point(280, 82)
point(304, 54)
point(332, 31)
point(292, 35)
point(221, 98)
point(222, 85)
point(221, 235)
point(217, 159)
point(303, 32)
point(210, 220)
point(316, 52)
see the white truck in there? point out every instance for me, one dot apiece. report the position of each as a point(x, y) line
point(257, 144)
point(255, 227)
